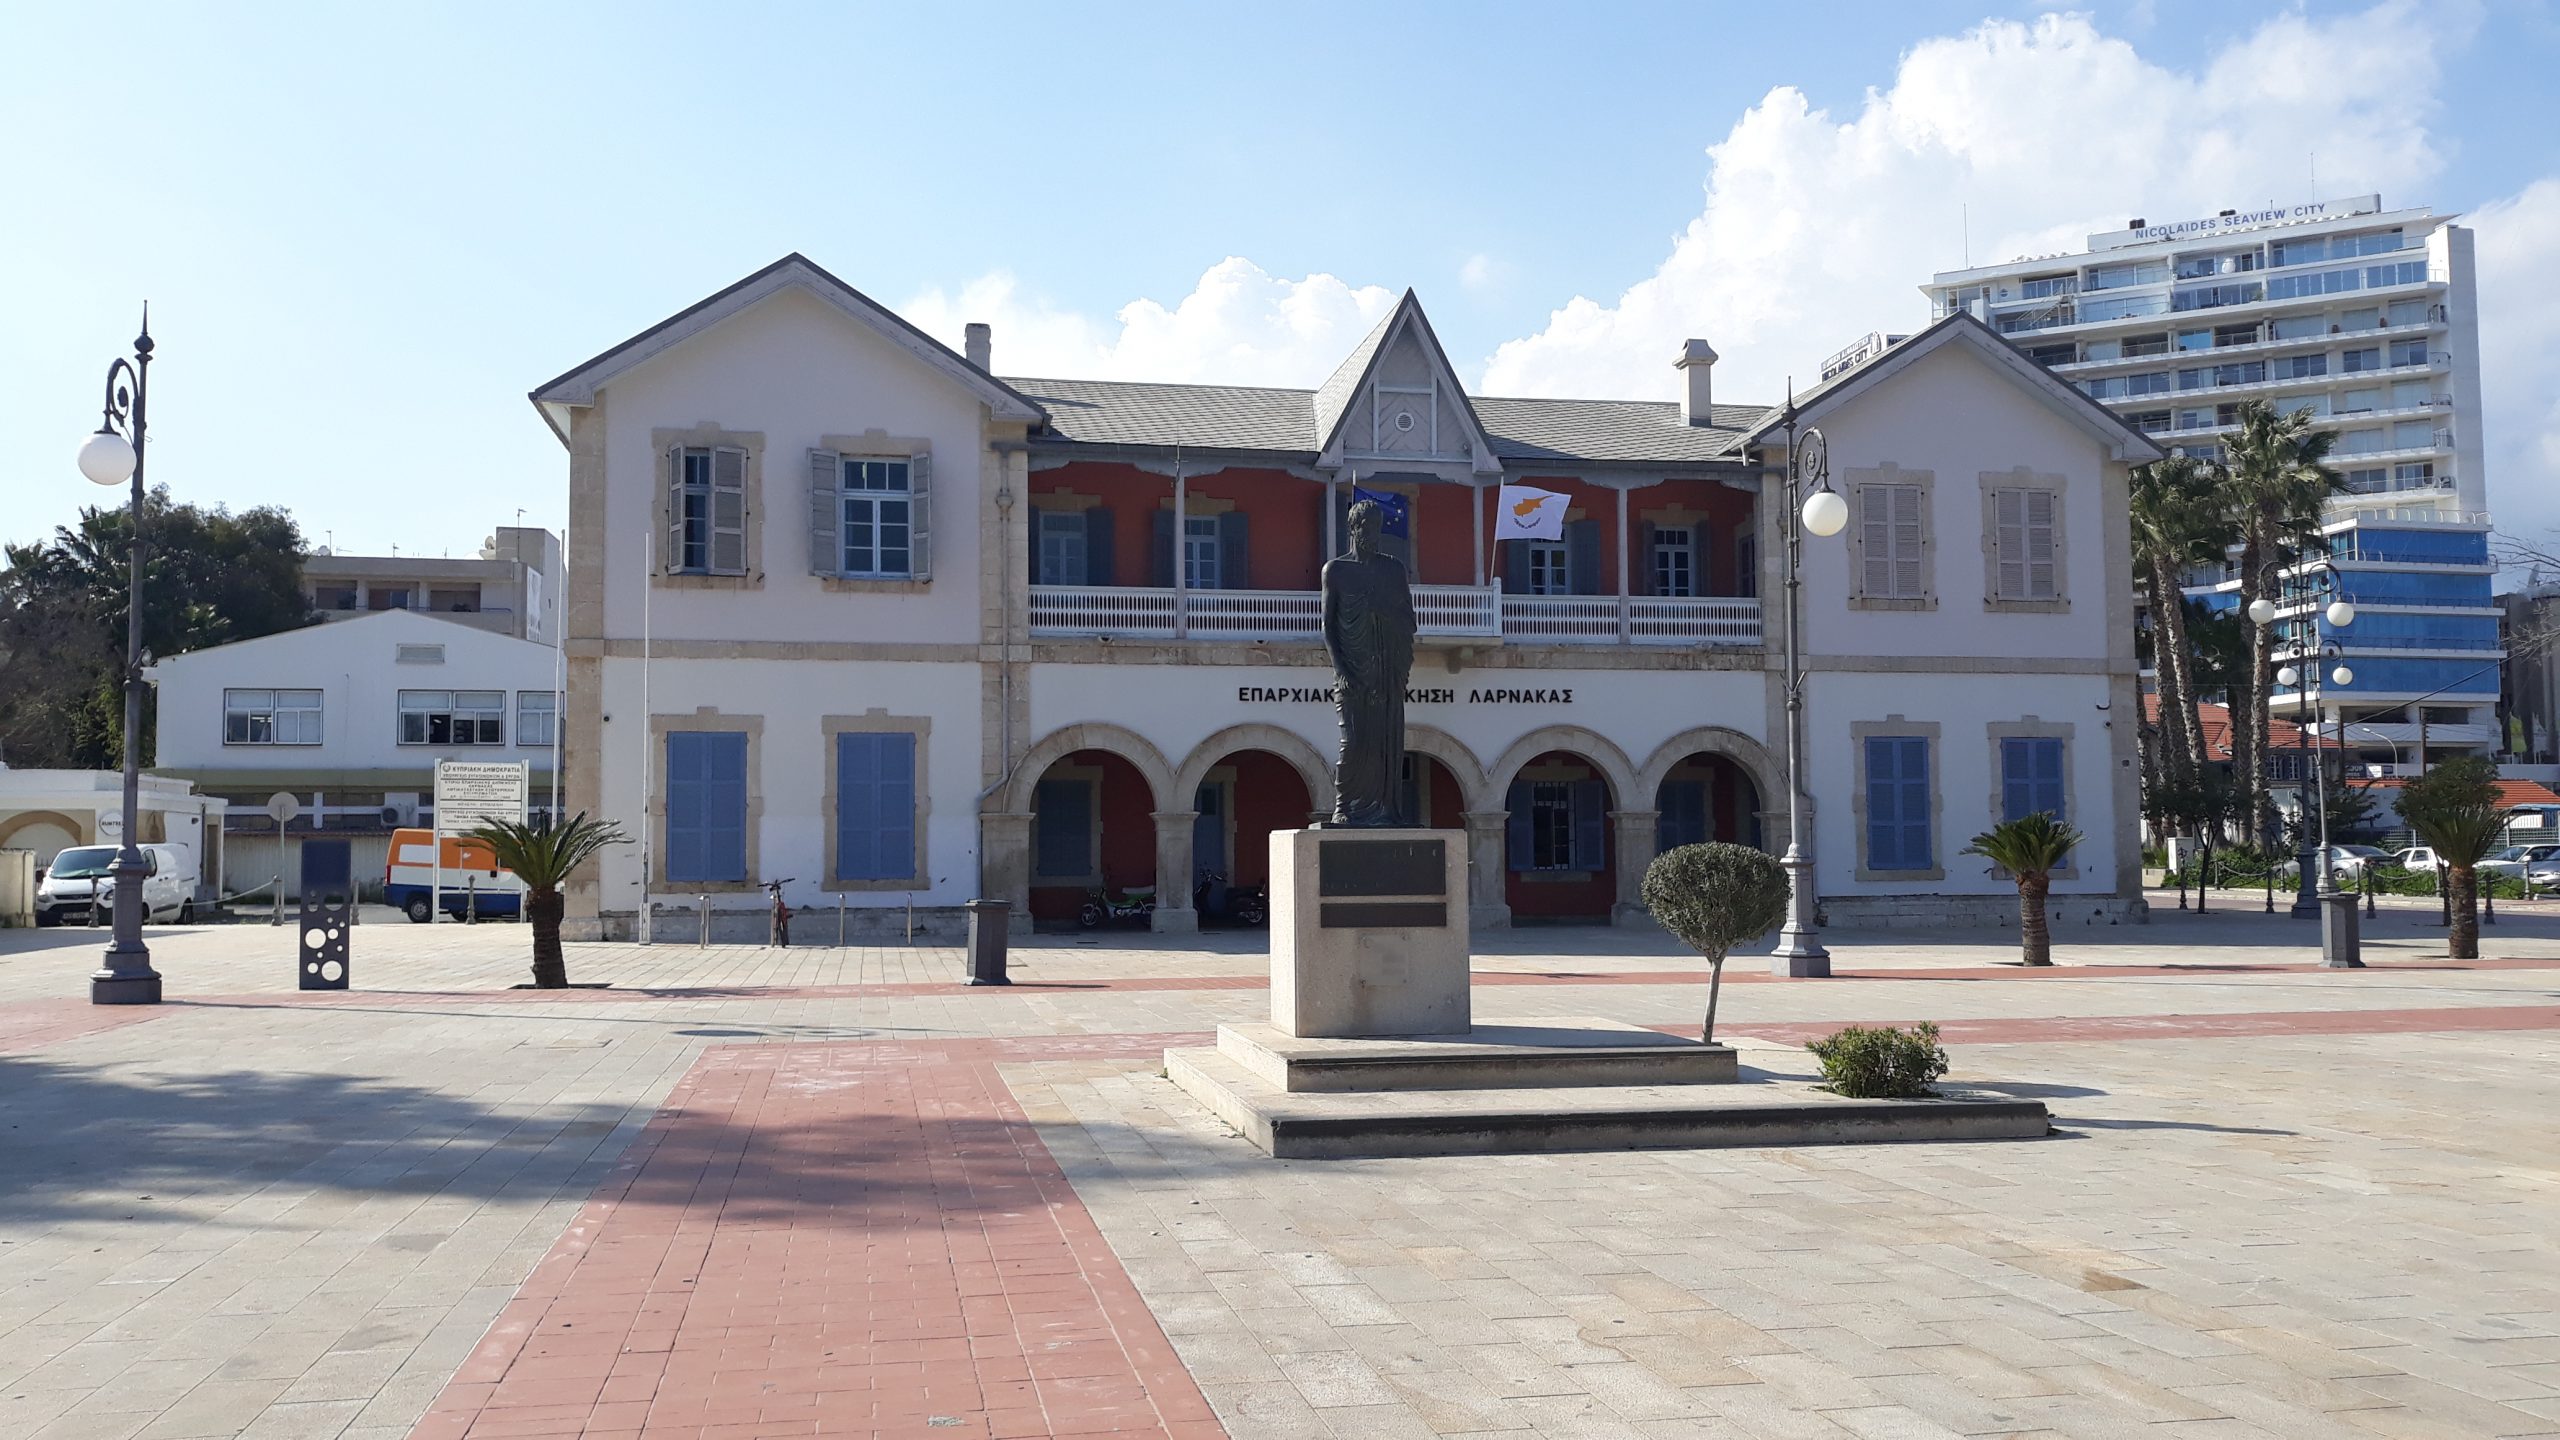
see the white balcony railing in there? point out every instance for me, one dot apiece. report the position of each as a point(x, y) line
point(1440, 611)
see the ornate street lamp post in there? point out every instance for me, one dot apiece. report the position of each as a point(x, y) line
point(1823, 512)
point(114, 456)
point(2340, 613)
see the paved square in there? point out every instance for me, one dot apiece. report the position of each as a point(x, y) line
point(748, 1192)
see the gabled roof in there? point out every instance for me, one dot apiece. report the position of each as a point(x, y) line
point(2123, 442)
point(1335, 397)
point(578, 385)
point(388, 626)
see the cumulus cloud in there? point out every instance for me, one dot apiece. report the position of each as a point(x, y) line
point(1240, 325)
point(1818, 228)
point(2518, 249)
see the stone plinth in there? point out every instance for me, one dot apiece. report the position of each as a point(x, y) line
point(1500, 1054)
point(1368, 932)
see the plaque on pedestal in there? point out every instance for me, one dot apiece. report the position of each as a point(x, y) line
point(1369, 932)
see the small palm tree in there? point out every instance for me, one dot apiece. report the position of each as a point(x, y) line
point(2454, 808)
point(544, 856)
point(2029, 848)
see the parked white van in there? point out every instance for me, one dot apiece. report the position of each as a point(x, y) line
point(80, 875)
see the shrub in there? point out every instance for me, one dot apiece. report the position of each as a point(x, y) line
point(1882, 1063)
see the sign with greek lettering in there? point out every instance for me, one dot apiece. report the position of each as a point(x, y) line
point(472, 793)
point(1413, 695)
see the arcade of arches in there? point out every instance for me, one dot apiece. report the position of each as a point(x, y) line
point(1550, 839)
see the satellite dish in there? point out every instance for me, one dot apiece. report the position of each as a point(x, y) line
point(282, 807)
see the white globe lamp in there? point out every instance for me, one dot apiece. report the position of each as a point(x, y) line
point(2288, 677)
point(2262, 610)
point(2342, 676)
point(1825, 512)
point(106, 458)
point(2342, 614)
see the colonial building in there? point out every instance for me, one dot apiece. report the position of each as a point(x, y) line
point(847, 609)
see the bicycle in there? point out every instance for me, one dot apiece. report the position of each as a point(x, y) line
point(781, 931)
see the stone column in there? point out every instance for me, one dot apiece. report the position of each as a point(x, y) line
point(1638, 832)
point(1174, 915)
point(1004, 864)
point(1488, 903)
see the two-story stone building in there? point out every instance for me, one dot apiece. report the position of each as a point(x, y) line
point(848, 609)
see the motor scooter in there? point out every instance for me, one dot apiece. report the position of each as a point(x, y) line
point(1240, 905)
point(1103, 907)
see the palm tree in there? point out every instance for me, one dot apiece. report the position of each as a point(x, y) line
point(2277, 484)
point(2454, 808)
point(2029, 848)
point(544, 857)
point(2181, 518)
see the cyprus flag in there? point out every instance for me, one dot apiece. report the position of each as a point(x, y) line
point(1528, 513)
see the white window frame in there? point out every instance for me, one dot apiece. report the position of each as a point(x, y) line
point(548, 710)
point(1550, 567)
point(1061, 539)
point(1550, 806)
point(478, 709)
point(857, 493)
point(1675, 542)
point(1203, 553)
point(290, 718)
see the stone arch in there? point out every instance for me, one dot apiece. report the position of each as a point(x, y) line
point(1461, 761)
point(30, 819)
point(1589, 744)
point(1741, 749)
point(1289, 745)
point(1128, 744)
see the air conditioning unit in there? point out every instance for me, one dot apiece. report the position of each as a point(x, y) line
point(400, 811)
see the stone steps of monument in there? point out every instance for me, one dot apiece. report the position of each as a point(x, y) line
point(1757, 1111)
point(1494, 1055)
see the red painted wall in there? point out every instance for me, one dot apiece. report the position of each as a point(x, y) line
point(1128, 836)
point(1731, 512)
point(1287, 528)
point(1269, 795)
point(1554, 896)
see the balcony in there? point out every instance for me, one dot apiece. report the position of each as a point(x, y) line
point(1446, 612)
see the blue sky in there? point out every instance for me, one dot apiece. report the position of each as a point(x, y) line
point(366, 232)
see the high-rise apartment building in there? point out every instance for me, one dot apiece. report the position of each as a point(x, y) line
point(2365, 317)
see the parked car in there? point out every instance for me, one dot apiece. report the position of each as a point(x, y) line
point(2514, 859)
point(2420, 858)
point(2346, 862)
point(82, 878)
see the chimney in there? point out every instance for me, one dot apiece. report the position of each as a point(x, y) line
point(1698, 362)
point(980, 345)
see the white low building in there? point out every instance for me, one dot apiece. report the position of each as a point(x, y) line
point(350, 719)
point(848, 610)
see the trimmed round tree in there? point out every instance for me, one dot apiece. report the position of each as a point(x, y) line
point(1715, 897)
point(544, 857)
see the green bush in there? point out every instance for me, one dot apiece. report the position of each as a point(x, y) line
point(1883, 1063)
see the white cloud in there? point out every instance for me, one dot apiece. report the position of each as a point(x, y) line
point(2518, 250)
point(1482, 273)
point(1817, 229)
point(1240, 325)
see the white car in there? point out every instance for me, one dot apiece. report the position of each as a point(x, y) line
point(2418, 858)
point(81, 877)
point(2516, 859)
point(2346, 862)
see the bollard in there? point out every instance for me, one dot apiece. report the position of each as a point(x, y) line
point(2444, 897)
point(471, 898)
point(702, 907)
point(2489, 900)
point(2341, 947)
point(911, 920)
point(278, 918)
point(839, 922)
point(988, 920)
point(2367, 873)
point(2182, 889)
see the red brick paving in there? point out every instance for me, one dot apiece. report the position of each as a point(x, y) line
point(34, 1024)
point(832, 1239)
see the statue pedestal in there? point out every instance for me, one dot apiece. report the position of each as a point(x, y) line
point(1369, 932)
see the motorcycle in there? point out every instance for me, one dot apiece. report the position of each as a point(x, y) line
point(1240, 905)
point(1102, 907)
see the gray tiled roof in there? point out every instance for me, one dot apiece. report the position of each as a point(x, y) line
point(1245, 417)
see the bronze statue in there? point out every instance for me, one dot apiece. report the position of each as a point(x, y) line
point(1368, 630)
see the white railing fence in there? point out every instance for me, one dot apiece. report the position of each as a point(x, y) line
point(1439, 610)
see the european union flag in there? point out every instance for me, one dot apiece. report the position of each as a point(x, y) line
point(1399, 522)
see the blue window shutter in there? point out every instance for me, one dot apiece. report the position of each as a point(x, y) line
point(684, 807)
point(725, 796)
point(1516, 844)
point(1582, 551)
point(1702, 562)
point(2048, 773)
point(2017, 788)
point(1914, 782)
point(1160, 566)
point(1099, 568)
point(1064, 843)
point(1235, 550)
point(1590, 824)
point(1683, 804)
point(875, 806)
point(1515, 567)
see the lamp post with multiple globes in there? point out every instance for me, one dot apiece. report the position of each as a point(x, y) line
point(2307, 674)
point(114, 456)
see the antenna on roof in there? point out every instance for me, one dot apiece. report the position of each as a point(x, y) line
point(1965, 212)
